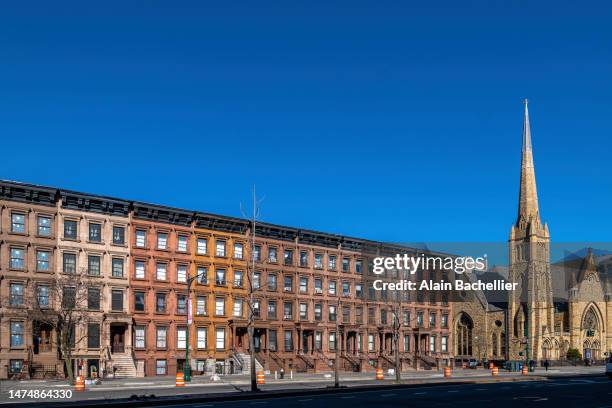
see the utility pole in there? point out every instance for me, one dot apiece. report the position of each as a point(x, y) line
point(337, 361)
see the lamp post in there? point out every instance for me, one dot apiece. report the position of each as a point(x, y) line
point(187, 368)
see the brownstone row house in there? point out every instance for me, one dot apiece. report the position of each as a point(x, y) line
point(313, 298)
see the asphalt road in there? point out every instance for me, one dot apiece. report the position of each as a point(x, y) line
point(593, 392)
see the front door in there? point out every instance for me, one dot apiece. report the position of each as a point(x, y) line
point(117, 339)
point(305, 337)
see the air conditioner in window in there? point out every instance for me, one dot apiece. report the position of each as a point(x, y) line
point(317, 290)
point(288, 317)
point(287, 288)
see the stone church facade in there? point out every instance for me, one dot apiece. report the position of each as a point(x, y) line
point(554, 307)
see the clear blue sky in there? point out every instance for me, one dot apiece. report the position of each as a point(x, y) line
point(398, 121)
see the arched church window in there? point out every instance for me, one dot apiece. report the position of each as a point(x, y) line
point(463, 335)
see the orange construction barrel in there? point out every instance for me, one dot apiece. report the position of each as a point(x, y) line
point(525, 370)
point(491, 366)
point(495, 371)
point(79, 384)
point(379, 374)
point(260, 377)
point(447, 372)
point(180, 379)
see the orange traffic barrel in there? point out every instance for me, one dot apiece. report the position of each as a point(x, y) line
point(495, 371)
point(491, 365)
point(180, 379)
point(379, 374)
point(525, 370)
point(260, 377)
point(79, 384)
point(447, 372)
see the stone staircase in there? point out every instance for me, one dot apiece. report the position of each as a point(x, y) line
point(123, 366)
point(245, 361)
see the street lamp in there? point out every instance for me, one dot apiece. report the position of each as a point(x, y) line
point(187, 368)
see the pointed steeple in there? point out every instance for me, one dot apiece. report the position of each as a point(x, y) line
point(528, 195)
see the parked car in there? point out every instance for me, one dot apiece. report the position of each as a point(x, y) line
point(609, 368)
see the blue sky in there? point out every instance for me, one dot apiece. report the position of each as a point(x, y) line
point(398, 121)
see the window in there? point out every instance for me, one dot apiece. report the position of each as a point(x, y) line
point(271, 309)
point(406, 343)
point(117, 267)
point(18, 223)
point(93, 335)
point(303, 258)
point(432, 320)
point(256, 280)
point(69, 263)
point(359, 315)
point(318, 284)
point(238, 251)
point(181, 243)
point(220, 248)
point(303, 284)
point(201, 336)
point(162, 240)
point(161, 339)
point(95, 232)
point(432, 343)
point(346, 264)
point(237, 307)
point(117, 300)
point(141, 238)
point(139, 301)
point(16, 294)
point(318, 341)
point(161, 272)
point(318, 311)
point(93, 299)
point(202, 275)
point(303, 311)
point(43, 296)
point(139, 337)
point(220, 277)
point(42, 261)
point(219, 306)
point(288, 340)
point(332, 287)
point(17, 258)
point(160, 303)
point(201, 246)
point(257, 252)
point(272, 255)
point(118, 235)
point(288, 285)
point(93, 265)
point(161, 367)
point(238, 280)
point(346, 289)
point(271, 282)
point(288, 311)
point(272, 345)
point(444, 344)
point(44, 226)
point(358, 266)
point(331, 262)
point(406, 317)
point(17, 333)
point(181, 304)
point(70, 229)
point(318, 261)
point(220, 339)
point(332, 313)
point(181, 273)
point(346, 314)
point(181, 338)
point(332, 341)
point(419, 319)
point(288, 257)
point(139, 269)
point(68, 297)
point(256, 308)
point(201, 306)
point(16, 366)
point(383, 317)
point(370, 342)
point(371, 315)
point(358, 290)
point(444, 321)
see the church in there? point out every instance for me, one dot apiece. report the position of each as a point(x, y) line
point(555, 307)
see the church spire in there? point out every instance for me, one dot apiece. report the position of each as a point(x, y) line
point(528, 195)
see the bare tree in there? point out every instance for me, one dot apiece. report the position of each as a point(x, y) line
point(62, 304)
